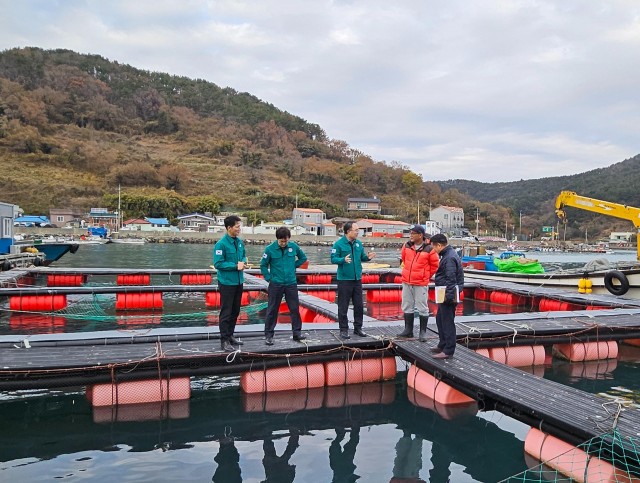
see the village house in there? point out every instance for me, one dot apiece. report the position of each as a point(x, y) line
point(148, 224)
point(620, 238)
point(69, 217)
point(270, 229)
point(380, 228)
point(199, 222)
point(312, 219)
point(8, 213)
point(136, 224)
point(431, 227)
point(450, 219)
point(369, 205)
point(103, 217)
point(329, 229)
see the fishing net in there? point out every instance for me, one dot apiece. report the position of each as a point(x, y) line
point(605, 458)
point(96, 312)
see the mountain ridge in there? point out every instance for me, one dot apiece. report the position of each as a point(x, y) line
point(75, 126)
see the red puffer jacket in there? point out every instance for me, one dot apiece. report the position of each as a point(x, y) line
point(418, 266)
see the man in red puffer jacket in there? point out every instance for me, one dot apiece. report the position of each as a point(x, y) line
point(419, 264)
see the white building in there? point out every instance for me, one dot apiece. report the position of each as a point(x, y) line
point(8, 213)
point(329, 229)
point(198, 222)
point(431, 227)
point(312, 219)
point(450, 219)
point(148, 224)
point(270, 229)
point(620, 237)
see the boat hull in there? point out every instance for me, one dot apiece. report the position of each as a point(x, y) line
point(55, 251)
point(567, 281)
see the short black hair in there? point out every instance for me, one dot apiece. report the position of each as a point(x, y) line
point(283, 232)
point(347, 226)
point(439, 238)
point(231, 220)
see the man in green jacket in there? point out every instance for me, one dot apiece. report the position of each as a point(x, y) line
point(348, 253)
point(278, 265)
point(229, 259)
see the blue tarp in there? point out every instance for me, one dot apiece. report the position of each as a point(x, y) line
point(98, 231)
point(31, 220)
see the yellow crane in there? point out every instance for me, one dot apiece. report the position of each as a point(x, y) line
point(569, 198)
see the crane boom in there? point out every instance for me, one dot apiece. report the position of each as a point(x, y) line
point(569, 198)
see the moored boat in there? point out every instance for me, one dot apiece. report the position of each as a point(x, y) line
point(55, 250)
point(129, 241)
point(603, 278)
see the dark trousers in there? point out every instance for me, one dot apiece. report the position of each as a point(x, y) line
point(350, 290)
point(230, 297)
point(446, 328)
point(290, 292)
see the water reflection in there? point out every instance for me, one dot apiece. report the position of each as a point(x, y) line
point(341, 457)
point(277, 468)
point(408, 461)
point(228, 459)
point(427, 446)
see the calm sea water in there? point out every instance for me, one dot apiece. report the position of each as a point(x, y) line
point(221, 435)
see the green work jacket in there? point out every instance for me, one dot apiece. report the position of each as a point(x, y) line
point(342, 248)
point(278, 265)
point(226, 255)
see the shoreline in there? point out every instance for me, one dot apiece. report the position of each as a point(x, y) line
point(263, 239)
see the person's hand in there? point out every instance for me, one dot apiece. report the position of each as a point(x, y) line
point(372, 255)
point(347, 259)
point(240, 265)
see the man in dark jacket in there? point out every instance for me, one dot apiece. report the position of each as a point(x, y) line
point(278, 265)
point(450, 278)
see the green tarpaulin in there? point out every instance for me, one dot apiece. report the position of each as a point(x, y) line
point(518, 265)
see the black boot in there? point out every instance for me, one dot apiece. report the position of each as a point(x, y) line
point(408, 326)
point(423, 328)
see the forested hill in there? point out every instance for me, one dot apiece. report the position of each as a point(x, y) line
point(74, 127)
point(617, 183)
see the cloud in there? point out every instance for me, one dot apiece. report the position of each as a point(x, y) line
point(498, 90)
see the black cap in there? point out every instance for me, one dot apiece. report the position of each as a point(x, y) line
point(418, 229)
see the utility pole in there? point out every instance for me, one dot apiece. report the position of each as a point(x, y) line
point(477, 221)
point(119, 217)
point(520, 226)
point(418, 212)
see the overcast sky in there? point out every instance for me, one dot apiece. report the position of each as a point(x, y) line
point(490, 90)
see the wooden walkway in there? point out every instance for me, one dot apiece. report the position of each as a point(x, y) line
point(547, 327)
point(555, 293)
point(563, 411)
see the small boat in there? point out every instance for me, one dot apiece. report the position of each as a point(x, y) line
point(599, 275)
point(476, 256)
point(91, 240)
point(52, 250)
point(129, 241)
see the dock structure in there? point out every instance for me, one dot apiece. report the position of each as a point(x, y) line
point(556, 293)
point(55, 360)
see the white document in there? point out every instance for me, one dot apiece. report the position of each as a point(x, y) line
point(441, 294)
